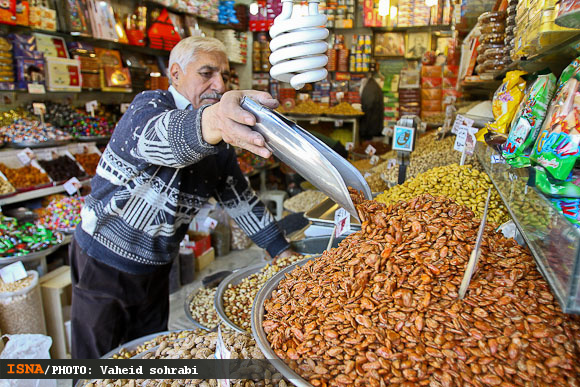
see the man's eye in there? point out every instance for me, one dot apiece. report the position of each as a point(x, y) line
point(226, 79)
point(206, 74)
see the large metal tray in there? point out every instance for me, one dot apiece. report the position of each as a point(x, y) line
point(235, 278)
point(196, 323)
point(323, 214)
point(264, 294)
point(315, 245)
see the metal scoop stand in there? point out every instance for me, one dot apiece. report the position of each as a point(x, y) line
point(311, 158)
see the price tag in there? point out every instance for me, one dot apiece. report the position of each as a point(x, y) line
point(460, 120)
point(371, 150)
point(497, 159)
point(460, 139)
point(222, 353)
point(26, 156)
point(349, 146)
point(39, 108)
point(423, 127)
point(387, 131)
point(391, 163)
point(72, 186)
point(125, 107)
point(404, 138)
point(36, 88)
point(91, 106)
point(470, 141)
point(314, 121)
point(341, 222)
point(210, 223)
point(13, 272)
point(338, 123)
point(374, 160)
point(512, 176)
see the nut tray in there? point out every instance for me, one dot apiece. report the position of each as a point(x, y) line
point(196, 323)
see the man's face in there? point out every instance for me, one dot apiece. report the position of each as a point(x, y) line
point(204, 80)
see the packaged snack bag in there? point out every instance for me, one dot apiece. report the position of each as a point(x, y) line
point(568, 73)
point(568, 188)
point(506, 101)
point(556, 148)
point(528, 121)
point(570, 208)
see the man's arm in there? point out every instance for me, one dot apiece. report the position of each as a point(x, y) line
point(177, 138)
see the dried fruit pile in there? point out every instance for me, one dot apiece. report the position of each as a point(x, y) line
point(383, 307)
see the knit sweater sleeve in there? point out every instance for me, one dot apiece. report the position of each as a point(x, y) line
point(243, 205)
point(164, 135)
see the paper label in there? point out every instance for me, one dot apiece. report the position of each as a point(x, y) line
point(26, 156)
point(39, 108)
point(374, 160)
point(91, 106)
point(125, 107)
point(391, 163)
point(222, 353)
point(210, 223)
point(370, 150)
point(13, 272)
point(423, 126)
point(367, 174)
point(470, 141)
point(341, 221)
point(460, 139)
point(349, 146)
point(338, 123)
point(72, 186)
point(403, 138)
point(36, 88)
point(460, 120)
point(387, 131)
point(314, 121)
point(497, 159)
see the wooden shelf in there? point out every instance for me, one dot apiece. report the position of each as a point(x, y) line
point(202, 20)
point(432, 28)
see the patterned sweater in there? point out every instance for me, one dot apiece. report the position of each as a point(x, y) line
point(153, 177)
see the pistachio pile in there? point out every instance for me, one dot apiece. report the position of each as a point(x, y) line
point(202, 307)
point(464, 184)
point(304, 201)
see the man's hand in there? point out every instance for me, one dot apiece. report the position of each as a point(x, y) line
point(227, 121)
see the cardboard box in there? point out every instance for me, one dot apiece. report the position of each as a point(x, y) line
point(204, 260)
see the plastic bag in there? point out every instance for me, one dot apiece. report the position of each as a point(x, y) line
point(505, 103)
point(27, 347)
point(570, 208)
point(240, 240)
point(556, 148)
point(528, 121)
point(220, 236)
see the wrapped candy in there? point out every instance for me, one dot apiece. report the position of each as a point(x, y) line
point(62, 214)
point(19, 240)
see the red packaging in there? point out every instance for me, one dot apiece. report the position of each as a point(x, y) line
point(450, 71)
point(431, 106)
point(431, 94)
point(8, 12)
point(431, 82)
point(431, 71)
point(449, 83)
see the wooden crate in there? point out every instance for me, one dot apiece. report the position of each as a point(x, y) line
point(56, 290)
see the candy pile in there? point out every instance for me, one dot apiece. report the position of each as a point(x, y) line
point(18, 240)
point(61, 168)
point(249, 161)
point(24, 177)
point(89, 162)
point(62, 214)
point(28, 131)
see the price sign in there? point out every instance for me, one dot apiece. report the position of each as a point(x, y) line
point(91, 106)
point(387, 132)
point(39, 108)
point(338, 123)
point(26, 156)
point(341, 222)
point(470, 141)
point(314, 121)
point(349, 146)
point(460, 138)
point(222, 353)
point(370, 150)
point(403, 138)
point(423, 127)
point(374, 160)
point(36, 88)
point(497, 159)
point(13, 272)
point(391, 163)
point(125, 107)
point(460, 120)
point(72, 186)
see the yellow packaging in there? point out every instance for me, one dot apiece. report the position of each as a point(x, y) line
point(505, 103)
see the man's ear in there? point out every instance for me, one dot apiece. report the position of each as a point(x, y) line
point(176, 73)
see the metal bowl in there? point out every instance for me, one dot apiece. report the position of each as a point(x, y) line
point(235, 278)
point(315, 245)
point(196, 323)
point(264, 294)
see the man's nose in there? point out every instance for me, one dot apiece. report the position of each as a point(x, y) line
point(218, 84)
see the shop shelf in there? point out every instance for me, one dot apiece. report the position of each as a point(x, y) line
point(37, 193)
point(431, 28)
point(552, 239)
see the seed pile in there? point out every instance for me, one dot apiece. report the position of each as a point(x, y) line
point(383, 307)
point(202, 307)
point(202, 345)
point(464, 184)
point(304, 201)
point(238, 299)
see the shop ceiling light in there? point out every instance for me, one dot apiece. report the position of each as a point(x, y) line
point(384, 7)
point(298, 45)
point(254, 8)
point(393, 12)
point(430, 3)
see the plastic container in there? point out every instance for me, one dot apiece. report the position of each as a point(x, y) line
point(511, 20)
point(21, 310)
point(512, 10)
point(491, 17)
point(494, 53)
point(510, 30)
point(492, 38)
point(493, 28)
point(494, 65)
point(482, 48)
point(480, 59)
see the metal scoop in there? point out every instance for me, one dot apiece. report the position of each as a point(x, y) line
point(311, 158)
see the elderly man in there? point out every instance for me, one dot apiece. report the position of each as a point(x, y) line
point(166, 158)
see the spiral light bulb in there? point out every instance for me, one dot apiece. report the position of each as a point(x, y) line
point(298, 46)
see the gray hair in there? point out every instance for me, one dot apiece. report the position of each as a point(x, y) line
point(185, 51)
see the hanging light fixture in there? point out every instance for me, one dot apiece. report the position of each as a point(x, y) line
point(384, 7)
point(430, 3)
point(393, 12)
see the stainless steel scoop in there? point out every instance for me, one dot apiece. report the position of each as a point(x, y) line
point(311, 158)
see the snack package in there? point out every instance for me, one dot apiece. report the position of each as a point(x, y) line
point(568, 188)
point(570, 208)
point(506, 101)
point(568, 73)
point(556, 148)
point(528, 121)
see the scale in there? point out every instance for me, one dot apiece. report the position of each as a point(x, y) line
point(307, 155)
